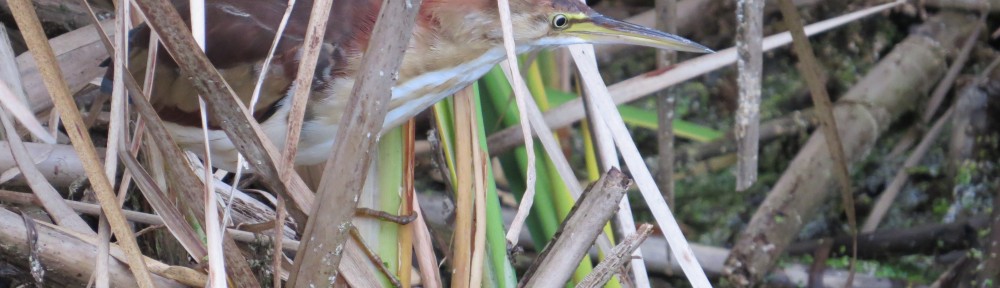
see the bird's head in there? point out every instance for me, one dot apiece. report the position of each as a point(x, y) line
point(564, 22)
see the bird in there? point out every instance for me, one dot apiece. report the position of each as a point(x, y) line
point(454, 43)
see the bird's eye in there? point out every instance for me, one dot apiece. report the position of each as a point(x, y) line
point(559, 21)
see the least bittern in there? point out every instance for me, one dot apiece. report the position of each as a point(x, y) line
point(454, 43)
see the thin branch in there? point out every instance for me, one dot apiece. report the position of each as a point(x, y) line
point(888, 196)
point(810, 69)
point(620, 256)
point(749, 62)
point(666, 102)
point(312, 44)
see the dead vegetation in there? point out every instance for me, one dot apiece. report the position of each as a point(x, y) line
point(96, 192)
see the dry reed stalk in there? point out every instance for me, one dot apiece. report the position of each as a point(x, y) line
point(405, 232)
point(48, 65)
point(13, 100)
point(479, 168)
point(666, 14)
point(8, 68)
point(465, 186)
point(277, 237)
point(601, 99)
point(210, 218)
point(182, 173)
point(265, 68)
point(423, 247)
point(10, 100)
point(238, 125)
point(347, 167)
point(558, 159)
point(313, 42)
point(51, 200)
point(115, 137)
point(608, 155)
point(666, 102)
point(22, 198)
point(810, 68)
point(167, 209)
point(521, 95)
point(556, 156)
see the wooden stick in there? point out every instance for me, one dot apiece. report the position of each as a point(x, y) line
point(621, 255)
point(312, 44)
point(80, 54)
point(749, 62)
point(75, 256)
point(556, 263)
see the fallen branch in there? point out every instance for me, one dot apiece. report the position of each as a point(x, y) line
point(80, 54)
point(67, 15)
point(862, 114)
point(577, 233)
point(68, 261)
point(973, 5)
point(928, 239)
point(58, 163)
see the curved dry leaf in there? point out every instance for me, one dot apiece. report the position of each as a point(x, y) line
point(23, 114)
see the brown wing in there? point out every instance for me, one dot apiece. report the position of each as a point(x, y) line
point(238, 36)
